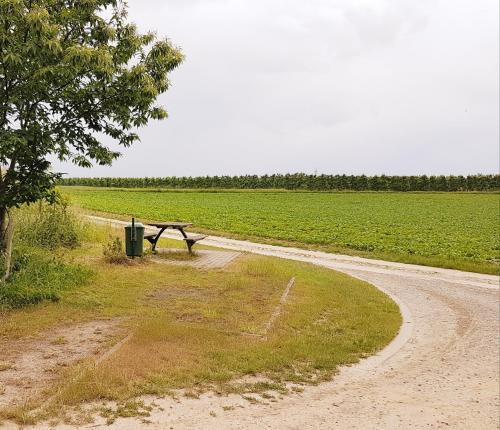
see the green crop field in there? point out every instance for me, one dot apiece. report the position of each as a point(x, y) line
point(456, 230)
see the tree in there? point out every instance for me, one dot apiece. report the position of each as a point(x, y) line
point(71, 72)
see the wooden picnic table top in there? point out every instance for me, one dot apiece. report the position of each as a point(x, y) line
point(170, 224)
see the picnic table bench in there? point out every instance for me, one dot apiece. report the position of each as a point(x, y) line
point(180, 226)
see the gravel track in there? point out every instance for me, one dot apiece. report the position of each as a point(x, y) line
point(441, 371)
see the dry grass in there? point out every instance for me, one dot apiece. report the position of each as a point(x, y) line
point(176, 255)
point(5, 365)
point(199, 329)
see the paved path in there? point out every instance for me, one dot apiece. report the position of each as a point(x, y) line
point(442, 370)
point(203, 259)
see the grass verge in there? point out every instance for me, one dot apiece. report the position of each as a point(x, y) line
point(200, 329)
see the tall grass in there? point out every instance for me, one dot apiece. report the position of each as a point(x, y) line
point(38, 275)
point(49, 226)
point(39, 278)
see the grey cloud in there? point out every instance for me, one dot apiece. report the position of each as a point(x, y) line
point(372, 86)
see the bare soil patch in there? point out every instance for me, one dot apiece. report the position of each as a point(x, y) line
point(28, 366)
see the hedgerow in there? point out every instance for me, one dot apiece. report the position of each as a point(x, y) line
point(301, 181)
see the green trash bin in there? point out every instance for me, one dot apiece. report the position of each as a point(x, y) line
point(134, 239)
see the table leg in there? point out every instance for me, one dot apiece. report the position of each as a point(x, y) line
point(188, 243)
point(153, 248)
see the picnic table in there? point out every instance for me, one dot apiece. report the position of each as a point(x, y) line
point(180, 226)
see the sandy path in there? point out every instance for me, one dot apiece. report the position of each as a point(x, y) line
point(442, 371)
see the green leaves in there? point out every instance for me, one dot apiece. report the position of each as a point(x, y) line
point(37, 19)
point(11, 59)
point(69, 72)
point(86, 59)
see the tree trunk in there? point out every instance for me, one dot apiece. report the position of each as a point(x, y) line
point(6, 237)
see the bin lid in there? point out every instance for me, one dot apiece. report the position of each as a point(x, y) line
point(136, 225)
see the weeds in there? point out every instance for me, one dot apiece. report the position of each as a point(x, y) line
point(113, 251)
point(37, 278)
point(131, 408)
point(49, 226)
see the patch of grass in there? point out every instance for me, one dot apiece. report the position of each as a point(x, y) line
point(189, 328)
point(5, 366)
point(61, 340)
point(177, 255)
point(49, 226)
point(197, 340)
point(21, 412)
point(190, 394)
point(131, 408)
point(452, 230)
point(39, 277)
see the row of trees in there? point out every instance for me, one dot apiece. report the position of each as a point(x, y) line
point(301, 181)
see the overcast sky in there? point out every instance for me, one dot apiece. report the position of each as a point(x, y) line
point(333, 86)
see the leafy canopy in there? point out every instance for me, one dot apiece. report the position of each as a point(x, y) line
point(72, 71)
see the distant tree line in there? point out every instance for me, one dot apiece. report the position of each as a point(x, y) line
point(301, 181)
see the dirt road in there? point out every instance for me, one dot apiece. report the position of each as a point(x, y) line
point(442, 370)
